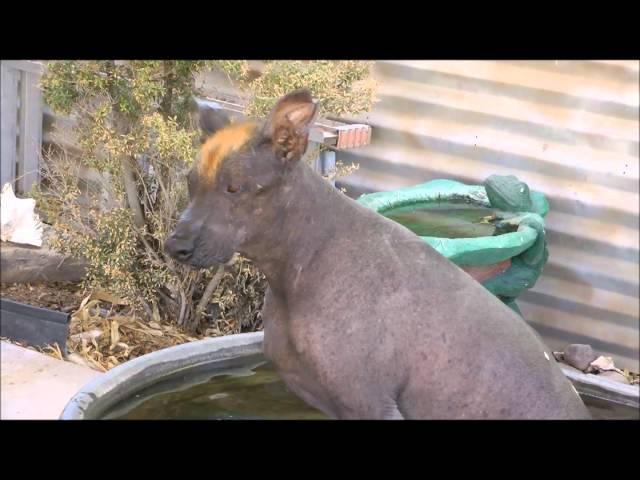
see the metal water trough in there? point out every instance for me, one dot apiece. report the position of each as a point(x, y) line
point(196, 358)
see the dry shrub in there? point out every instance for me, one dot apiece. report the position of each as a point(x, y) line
point(135, 129)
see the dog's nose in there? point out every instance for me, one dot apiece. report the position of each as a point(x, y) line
point(179, 248)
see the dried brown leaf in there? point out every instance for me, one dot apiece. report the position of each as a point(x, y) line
point(115, 334)
point(108, 297)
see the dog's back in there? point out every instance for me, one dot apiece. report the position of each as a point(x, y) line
point(425, 339)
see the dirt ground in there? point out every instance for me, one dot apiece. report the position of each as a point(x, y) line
point(103, 335)
point(65, 296)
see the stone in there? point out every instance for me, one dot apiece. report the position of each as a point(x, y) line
point(579, 356)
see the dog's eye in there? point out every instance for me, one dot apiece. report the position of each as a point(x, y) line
point(232, 189)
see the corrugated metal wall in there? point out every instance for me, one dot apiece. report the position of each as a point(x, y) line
point(567, 128)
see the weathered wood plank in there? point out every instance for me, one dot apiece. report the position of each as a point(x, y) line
point(25, 66)
point(8, 122)
point(30, 140)
point(26, 264)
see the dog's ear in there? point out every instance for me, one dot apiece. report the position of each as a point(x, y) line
point(210, 121)
point(288, 124)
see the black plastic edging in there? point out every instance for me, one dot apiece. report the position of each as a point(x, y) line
point(34, 326)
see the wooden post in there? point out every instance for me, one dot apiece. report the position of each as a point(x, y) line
point(22, 114)
point(8, 123)
point(30, 140)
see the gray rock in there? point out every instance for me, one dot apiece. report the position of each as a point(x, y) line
point(579, 356)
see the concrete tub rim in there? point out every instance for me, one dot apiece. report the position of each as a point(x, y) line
point(97, 396)
point(102, 393)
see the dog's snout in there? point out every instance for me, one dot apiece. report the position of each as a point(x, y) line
point(179, 248)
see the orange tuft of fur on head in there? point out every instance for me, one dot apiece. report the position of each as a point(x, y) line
point(220, 145)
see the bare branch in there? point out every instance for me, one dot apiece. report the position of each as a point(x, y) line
point(206, 296)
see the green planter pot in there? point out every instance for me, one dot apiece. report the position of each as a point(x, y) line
point(494, 231)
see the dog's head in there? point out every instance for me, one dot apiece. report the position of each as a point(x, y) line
point(236, 186)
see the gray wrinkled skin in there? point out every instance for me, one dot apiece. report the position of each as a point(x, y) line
point(362, 319)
